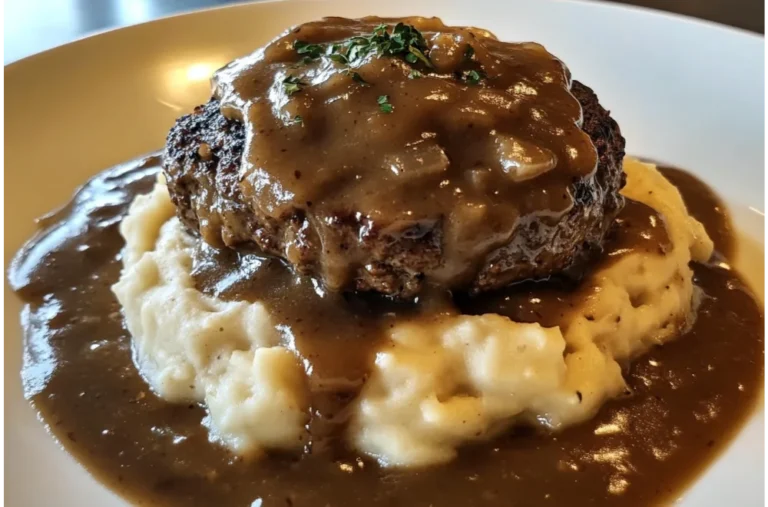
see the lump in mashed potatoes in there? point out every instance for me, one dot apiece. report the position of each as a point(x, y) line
point(437, 382)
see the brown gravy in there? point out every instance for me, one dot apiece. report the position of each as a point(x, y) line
point(687, 398)
point(486, 137)
point(457, 121)
point(315, 321)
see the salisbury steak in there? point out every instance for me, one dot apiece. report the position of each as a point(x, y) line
point(378, 173)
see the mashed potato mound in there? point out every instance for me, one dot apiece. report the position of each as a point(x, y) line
point(440, 384)
point(436, 383)
point(194, 348)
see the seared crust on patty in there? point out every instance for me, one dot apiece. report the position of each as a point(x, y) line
point(202, 165)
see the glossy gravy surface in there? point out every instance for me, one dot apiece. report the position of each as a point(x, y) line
point(451, 124)
point(687, 398)
point(478, 135)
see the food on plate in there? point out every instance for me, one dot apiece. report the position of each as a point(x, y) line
point(491, 167)
point(391, 261)
point(414, 409)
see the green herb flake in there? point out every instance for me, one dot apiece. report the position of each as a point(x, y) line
point(298, 120)
point(358, 78)
point(415, 74)
point(404, 41)
point(292, 84)
point(304, 60)
point(380, 30)
point(338, 58)
point(469, 52)
point(308, 50)
point(419, 55)
point(334, 53)
point(472, 77)
point(384, 104)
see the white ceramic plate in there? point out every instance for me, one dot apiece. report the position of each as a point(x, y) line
point(685, 92)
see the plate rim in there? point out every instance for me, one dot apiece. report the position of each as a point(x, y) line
point(731, 32)
point(630, 8)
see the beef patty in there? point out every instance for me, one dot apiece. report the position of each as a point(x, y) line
point(217, 178)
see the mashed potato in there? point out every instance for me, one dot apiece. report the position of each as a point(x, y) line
point(436, 384)
point(194, 348)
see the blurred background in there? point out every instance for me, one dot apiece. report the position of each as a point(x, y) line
point(36, 25)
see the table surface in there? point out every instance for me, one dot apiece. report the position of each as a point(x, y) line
point(35, 25)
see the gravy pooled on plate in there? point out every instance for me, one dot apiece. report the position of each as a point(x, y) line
point(687, 398)
point(350, 187)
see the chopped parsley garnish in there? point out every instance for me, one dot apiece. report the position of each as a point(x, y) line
point(298, 120)
point(338, 58)
point(358, 78)
point(380, 29)
point(405, 41)
point(384, 104)
point(472, 76)
point(416, 54)
point(303, 61)
point(292, 84)
point(311, 51)
point(333, 51)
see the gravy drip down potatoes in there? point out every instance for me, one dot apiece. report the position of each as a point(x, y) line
point(453, 379)
point(438, 381)
point(391, 262)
